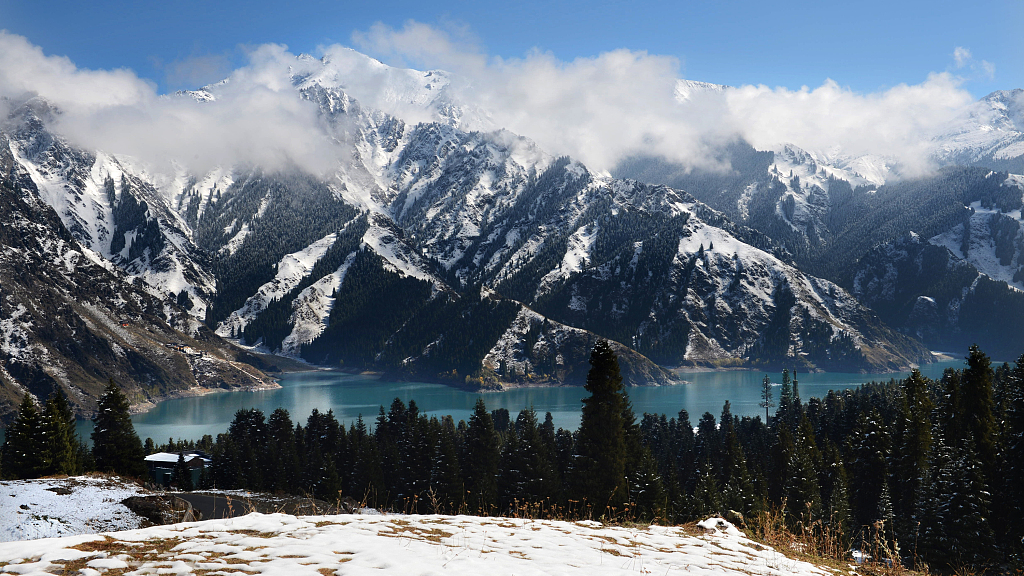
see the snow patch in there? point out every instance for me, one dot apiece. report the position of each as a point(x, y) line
point(290, 271)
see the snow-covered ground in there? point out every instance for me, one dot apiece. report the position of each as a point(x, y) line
point(48, 508)
point(396, 544)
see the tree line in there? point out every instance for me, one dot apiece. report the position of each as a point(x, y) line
point(931, 469)
point(44, 442)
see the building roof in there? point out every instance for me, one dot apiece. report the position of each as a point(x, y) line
point(172, 457)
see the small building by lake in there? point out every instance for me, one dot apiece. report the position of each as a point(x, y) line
point(161, 465)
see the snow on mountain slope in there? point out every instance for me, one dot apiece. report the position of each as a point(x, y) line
point(384, 239)
point(994, 243)
point(991, 129)
point(446, 206)
point(280, 544)
point(290, 271)
point(311, 309)
point(109, 205)
point(69, 323)
point(580, 244)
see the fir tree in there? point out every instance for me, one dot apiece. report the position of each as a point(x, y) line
point(1012, 462)
point(24, 443)
point(481, 461)
point(977, 408)
point(282, 466)
point(707, 500)
point(599, 471)
point(869, 454)
point(835, 492)
point(61, 449)
point(914, 439)
point(181, 476)
point(367, 481)
point(803, 491)
point(115, 445)
point(766, 396)
point(737, 488)
point(446, 487)
point(646, 490)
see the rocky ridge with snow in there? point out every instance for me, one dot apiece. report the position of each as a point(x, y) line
point(72, 320)
point(432, 215)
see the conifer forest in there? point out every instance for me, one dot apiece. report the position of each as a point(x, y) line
point(928, 472)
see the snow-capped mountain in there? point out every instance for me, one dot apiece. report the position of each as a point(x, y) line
point(927, 291)
point(990, 133)
point(428, 250)
point(70, 319)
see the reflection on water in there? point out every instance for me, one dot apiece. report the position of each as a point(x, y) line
point(350, 396)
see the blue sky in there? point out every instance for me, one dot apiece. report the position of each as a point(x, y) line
point(866, 46)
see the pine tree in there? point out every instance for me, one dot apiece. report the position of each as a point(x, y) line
point(707, 500)
point(599, 470)
point(803, 491)
point(977, 409)
point(959, 531)
point(784, 414)
point(481, 460)
point(367, 480)
point(447, 489)
point(247, 449)
point(181, 476)
point(835, 492)
point(869, 455)
point(1012, 462)
point(24, 443)
point(115, 445)
point(282, 466)
point(646, 490)
point(61, 450)
point(737, 488)
point(914, 439)
point(766, 396)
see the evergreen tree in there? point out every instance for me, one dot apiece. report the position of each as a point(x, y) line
point(914, 439)
point(447, 489)
point(738, 490)
point(869, 454)
point(282, 466)
point(247, 448)
point(24, 443)
point(181, 476)
point(61, 450)
point(1012, 462)
point(977, 409)
point(803, 491)
point(835, 492)
point(321, 442)
point(599, 471)
point(115, 445)
point(646, 490)
point(784, 414)
point(958, 531)
point(707, 500)
point(367, 480)
point(481, 461)
point(766, 396)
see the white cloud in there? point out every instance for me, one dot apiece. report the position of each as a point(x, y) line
point(602, 108)
point(965, 60)
point(597, 109)
point(962, 56)
point(258, 118)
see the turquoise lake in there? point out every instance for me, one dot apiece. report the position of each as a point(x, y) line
point(352, 395)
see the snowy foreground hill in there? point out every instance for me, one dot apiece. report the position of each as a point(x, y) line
point(397, 544)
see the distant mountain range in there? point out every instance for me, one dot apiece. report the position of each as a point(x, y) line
point(477, 258)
